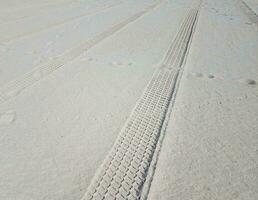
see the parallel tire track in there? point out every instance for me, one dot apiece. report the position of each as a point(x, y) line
point(14, 87)
point(123, 173)
point(18, 35)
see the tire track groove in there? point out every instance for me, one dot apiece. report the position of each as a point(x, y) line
point(15, 87)
point(123, 173)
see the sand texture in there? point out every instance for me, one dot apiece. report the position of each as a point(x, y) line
point(129, 99)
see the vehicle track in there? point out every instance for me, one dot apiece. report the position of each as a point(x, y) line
point(15, 87)
point(252, 16)
point(19, 35)
point(32, 6)
point(32, 13)
point(124, 171)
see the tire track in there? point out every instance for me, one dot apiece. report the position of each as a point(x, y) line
point(125, 170)
point(252, 16)
point(151, 171)
point(15, 87)
point(11, 38)
point(32, 6)
point(32, 13)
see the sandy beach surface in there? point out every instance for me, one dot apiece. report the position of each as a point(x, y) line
point(128, 99)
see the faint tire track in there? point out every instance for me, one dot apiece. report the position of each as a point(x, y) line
point(15, 87)
point(29, 15)
point(10, 38)
point(252, 16)
point(31, 6)
point(125, 170)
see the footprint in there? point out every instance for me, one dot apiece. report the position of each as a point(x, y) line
point(250, 82)
point(200, 75)
point(211, 76)
point(7, 118)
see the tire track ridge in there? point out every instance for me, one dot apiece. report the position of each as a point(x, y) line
point(15, 87)
point(152, 169)
point(124, 171)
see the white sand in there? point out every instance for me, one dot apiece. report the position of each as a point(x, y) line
point(253, 4)
point(210, 147)
point(56, 132)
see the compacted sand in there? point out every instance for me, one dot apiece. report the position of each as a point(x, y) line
point(127, 99)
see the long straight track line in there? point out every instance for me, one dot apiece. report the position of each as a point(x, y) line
point(51, 25)
point(31, 6)
point(123, 173)
point(30, 13)
point(15, 87)
point(253, 17)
